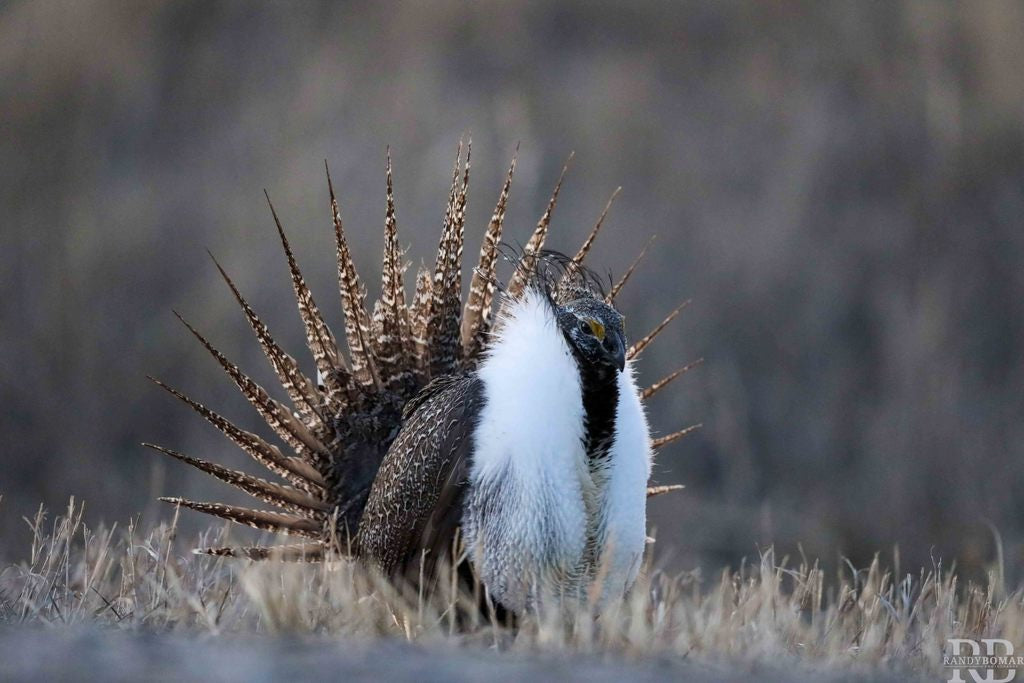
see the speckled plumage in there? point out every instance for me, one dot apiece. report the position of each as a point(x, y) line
point(386, 453)
point(415, 502)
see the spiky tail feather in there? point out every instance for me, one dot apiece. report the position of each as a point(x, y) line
point(339, 427)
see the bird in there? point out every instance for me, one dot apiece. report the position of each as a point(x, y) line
point(505, 434)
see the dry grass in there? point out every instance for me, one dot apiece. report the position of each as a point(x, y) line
point(128, 578)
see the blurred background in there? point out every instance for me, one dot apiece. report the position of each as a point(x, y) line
point(838, 186)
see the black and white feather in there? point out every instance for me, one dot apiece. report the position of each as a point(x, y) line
point(522, 432)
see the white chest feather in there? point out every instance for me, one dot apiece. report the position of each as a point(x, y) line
point(623, 516)
point(532, 501)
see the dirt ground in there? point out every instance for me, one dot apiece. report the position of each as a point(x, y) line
point(93, 654)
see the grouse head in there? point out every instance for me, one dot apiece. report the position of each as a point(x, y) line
point(591, 326)
point(595, 331)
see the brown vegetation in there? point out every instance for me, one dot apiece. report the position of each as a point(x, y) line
point(773, 610)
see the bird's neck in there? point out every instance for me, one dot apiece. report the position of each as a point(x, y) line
point(600, 398)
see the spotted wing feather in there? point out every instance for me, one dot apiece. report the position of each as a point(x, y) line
point(414, 502)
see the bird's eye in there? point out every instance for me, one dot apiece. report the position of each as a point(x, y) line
point(592, 327)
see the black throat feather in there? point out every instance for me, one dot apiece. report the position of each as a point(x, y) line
point(600, 400)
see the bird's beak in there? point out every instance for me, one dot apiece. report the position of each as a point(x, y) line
point(615, 347)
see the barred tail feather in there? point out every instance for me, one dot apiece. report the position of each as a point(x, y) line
point(319, 338)
point(391, 316)
point(284, 497)
point(300, 473)
point(258, 519)
point(674, 436)
point(536, 243)
point(292, 431)
point(446, 297)
point(353, 303)
point(638, 347)
point(589, 242)
point(476, 316)
point(664, 488)
point(664, 381)
point(419, 320)
point(299, 388)
point(617, 287)
point(300, 552)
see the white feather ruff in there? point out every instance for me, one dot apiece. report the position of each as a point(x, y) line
point(624, 505)
point(526, 520)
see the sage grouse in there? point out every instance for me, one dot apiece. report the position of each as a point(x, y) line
point(523, 434)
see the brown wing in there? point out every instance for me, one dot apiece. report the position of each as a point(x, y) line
point(415, 503)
